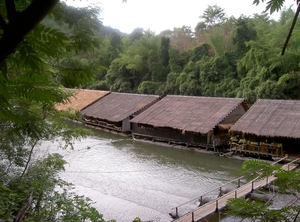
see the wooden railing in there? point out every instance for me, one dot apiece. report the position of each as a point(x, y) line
point(258, 149)
point(236, 195)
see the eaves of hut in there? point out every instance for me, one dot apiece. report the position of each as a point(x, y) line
point(191, 114)
point(271, 118)
point(115, 110)
point(81, 99)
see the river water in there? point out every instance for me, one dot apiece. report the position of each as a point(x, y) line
point(128, 179)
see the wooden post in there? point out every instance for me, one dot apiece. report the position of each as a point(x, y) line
point(193, 219)
point(252, 186)
point(176, 212)
point(235, 194)
point(239, 182)
point(217, 205)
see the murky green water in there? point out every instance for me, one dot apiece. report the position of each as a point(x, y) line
point(127, 178)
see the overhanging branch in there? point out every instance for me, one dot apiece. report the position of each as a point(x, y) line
point(21, 25)
point(10, 9)
point(3, 24)
point(291, 29)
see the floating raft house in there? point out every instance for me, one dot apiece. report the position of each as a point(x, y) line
point(270, 127)
point(81, 99)
point(189, 120)
point(114, 111)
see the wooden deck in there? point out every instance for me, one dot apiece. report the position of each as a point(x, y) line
point(256, 150)
point(220, 203)
point(173, 142)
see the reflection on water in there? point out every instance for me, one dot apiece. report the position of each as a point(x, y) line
point(127, 178)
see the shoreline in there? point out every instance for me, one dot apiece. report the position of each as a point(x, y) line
point(194, 149)
point(208, 151)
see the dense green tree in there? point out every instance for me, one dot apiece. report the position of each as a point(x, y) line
point(218, 75)
point(200, 51)
point(178, 59)
point(244, 32)
point(110, 49)
point(149, 87)
point(31, 57)
point(172, 85)
point(146, 59)
point(158, 61)
point(115, 46)
point(41, 184)
point(164, 51)
point(76, 64)
point(265, 66)
point(189, 80)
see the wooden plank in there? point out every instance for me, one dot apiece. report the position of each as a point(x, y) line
point(219, 203)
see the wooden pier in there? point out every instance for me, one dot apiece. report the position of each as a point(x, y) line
point(220, 202)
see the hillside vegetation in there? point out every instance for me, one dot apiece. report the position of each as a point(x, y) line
point(226, 57)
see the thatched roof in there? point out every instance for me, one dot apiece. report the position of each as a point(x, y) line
point(118, 106)
point(272, 118)
point(81, 99)
point(188, 113)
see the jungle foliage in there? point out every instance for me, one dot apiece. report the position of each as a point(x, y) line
point(35, 59)
point(225, 57)
point(47, 45)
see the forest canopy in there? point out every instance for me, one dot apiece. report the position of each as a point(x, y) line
point(47, 46)
point(222, 56)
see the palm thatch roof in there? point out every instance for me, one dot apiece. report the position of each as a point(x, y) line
point(81, 99)
point(271, 118)
point(188, 113)
point(118, 106)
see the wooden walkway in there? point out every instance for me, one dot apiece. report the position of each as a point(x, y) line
point(220, 203)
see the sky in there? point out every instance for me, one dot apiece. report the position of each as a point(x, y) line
point(160, 15)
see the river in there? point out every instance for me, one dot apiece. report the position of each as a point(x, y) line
point(128, 179)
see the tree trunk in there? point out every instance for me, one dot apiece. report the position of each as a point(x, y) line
point(21, 23)
point(21, 214)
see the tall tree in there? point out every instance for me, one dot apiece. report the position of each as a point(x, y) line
point(115, 46)
point(213, 15)
point(244, 32)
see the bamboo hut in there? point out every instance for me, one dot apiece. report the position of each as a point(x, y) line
point(189, 121)
point(114, 111)
point(269, 128)
point(80, 99)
